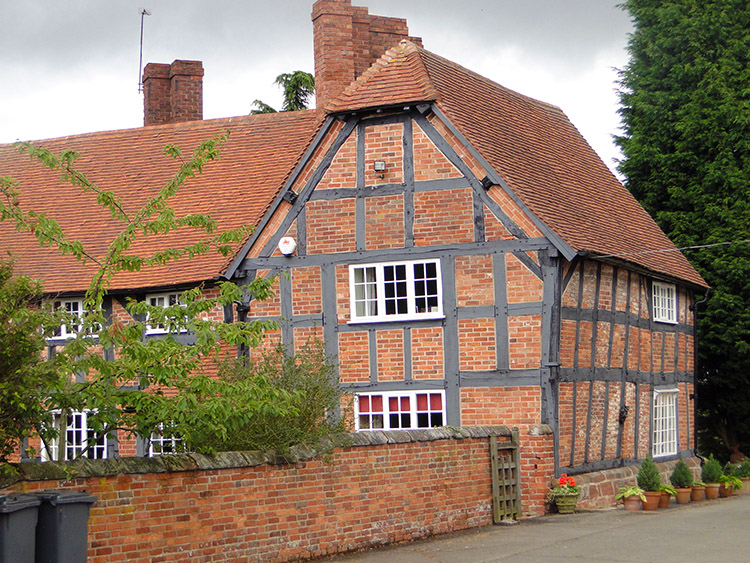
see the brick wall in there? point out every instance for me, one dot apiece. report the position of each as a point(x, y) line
point(241, 506)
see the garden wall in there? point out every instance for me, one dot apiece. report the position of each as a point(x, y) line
point(372, 489)
point(598, 489)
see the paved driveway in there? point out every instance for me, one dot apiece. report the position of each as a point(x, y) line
point(704, 531)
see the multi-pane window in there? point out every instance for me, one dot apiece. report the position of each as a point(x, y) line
point(399, 410)
point(163, 441)
point(76, 439)
point(398, 290)
point(665, 302)
point(664, 440)
point(163, 300)
point(74, 308)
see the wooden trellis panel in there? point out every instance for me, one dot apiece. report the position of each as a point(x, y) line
point(506, 478)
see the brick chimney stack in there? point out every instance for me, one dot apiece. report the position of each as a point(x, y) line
point(347, 40)
point(172, 93)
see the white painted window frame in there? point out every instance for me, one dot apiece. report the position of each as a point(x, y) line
point(171, 298)
point(74, 439)
point(73, 307)
point(664, 302)
point(413, 412)
point(378, 285)
point(164, 443)
point(664, 423)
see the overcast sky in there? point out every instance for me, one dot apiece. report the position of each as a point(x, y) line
point(71, 66)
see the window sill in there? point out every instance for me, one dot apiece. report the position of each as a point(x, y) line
point(666, 322)
point(397, 319)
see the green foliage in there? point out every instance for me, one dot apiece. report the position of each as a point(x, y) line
point(632, 491)
point(151, 381)
point(681, 477)
point(648, 476)
point(24, 374)
point(711, 471)
point(669, 489)
point(307, 386)
point(298, 87)
point(743, 469)
point(731, 481)
point(686, 145)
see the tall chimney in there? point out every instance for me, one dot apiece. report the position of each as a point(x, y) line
point(347, 40)
point(172, 93)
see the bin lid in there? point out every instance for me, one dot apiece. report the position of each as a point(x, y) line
point(17, 502)
point(56, 497)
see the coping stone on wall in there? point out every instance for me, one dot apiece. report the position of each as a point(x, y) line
point(83, 468)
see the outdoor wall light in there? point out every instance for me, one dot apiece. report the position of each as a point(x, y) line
point(378, 166)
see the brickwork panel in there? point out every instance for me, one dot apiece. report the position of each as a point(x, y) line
point(476, 342)
point(343, 305)
point(390, 350)
point(443, 217)
point(354, 357)
point(384, 222)
point(567, 343)
point(510, 406)
point(523, 285)
point(343, 170)
point(270, 307)
point(427, 353)
point(570, 293)
point(644, 428)
point(306, 290)
point(384, 142)
point(525, 341)
point(475, 286)
point(602, 344)
point(493, 227)
point(331, 226)
point(429, 162)
point(583, 390)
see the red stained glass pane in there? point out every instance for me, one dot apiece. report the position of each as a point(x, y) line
point(421, 402)
point(364, 404)
point(377, 403)
point(404, 404)
point(436, 402)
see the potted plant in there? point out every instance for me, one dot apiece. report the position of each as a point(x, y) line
point(632, 497)
point(682, 479)
point(698, 491)
point(729, 484)
point(743, 472)
point(565, 495)
point(649, 480)
point(667, 491)
point(711, 474)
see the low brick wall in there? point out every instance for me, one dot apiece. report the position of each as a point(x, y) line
point(370, 489)
point(598, 489)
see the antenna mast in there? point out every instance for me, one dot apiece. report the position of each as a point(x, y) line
point(144, 13)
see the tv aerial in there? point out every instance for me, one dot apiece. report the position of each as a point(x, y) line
point(144, 12)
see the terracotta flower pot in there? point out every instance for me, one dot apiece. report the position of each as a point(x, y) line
point(683, 495)
point(632, 503)
point(725, 491)
point(712, 490)
point(697, 493)
point(652, 500)
point(664, 499)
